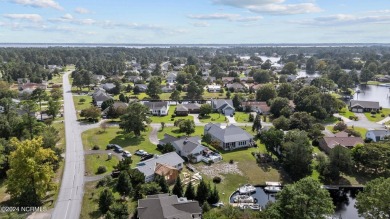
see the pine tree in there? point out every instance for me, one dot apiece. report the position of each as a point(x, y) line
point(105, 200)
point(257, 124)
point(190, 192)
point(163, 184)
point(214, 196)
point(178, 188)
point(123, 185)
point(206, 207)
point(202, 192)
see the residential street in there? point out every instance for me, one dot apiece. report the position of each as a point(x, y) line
point(68, 205)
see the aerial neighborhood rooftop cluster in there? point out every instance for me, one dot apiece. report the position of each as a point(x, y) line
point(188, 132)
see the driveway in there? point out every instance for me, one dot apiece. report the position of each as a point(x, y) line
point(68, 205)
point(153, 138)
point(196, 119)
point(364, 122)
point(231, 119)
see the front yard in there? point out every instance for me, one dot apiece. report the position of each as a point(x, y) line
point(346, 113)
point(174, 131)
point(241, 117)
point(167, 118)
point(213, 117)
point(93, 161)
point(378, 116)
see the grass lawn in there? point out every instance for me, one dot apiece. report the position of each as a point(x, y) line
point(208, 95)
point(174, 131)
point(330, 120)
point(362, 131)
point(241, 117)
point(82, 105)
point(377, 117)
point(114, 135)
point(213, 117)
point(93, 161)
point(373, 82)
point(56, 79)
point(346, 113)
point(90, 208)
point(167, 118)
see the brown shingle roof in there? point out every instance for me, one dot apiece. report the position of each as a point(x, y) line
point(332, 142)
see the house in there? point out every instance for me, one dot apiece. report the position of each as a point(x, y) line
point(171, 77)
point(99, 78)
point(342, 139)
point(230, 137)
point(377, 135)
point(185, 109)
point(134, 79)
point(209, 79)
point(148, 167)
point(227, 80)
point(158, 108)
point(255, 87)
point(142, 87)
point(99, 96)
point(259, 107)
point(237, 87)
point(246, 79)
point(189, 147)
point(108, 86)
point(213, 88)
point(164, 206)
point(363, 106)
point(168, 89)
point(32, 86)
point(224, 106)
point(116, 105)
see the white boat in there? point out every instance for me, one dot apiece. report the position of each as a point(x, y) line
point(272, 189)
point(243, 199)
point(247, 189)
point(255, 207)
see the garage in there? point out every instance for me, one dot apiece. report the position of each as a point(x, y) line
point(228, 111)
point(357, 110)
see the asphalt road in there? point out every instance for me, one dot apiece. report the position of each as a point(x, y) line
point(68, 205)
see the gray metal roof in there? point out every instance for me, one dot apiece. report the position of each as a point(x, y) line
point(222, 103)
point(187, 145)
point(364, 104)
point(156, 105)
point(147, 167)
point(231, 133)
point(169, 207)
point(382, 132)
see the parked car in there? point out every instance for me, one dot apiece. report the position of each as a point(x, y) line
point(147, 157)
point(110, 146)
point(126, 154)
point(141, 152)
point(115, 173)
point(118, 148)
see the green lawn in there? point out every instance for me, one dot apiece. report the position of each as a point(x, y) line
point(377, 117)
point(82, 105)
point(114, 135)
point(346, 113)
point(241, 117)
point(174, 131)
point(56, 79)
point(373, 82)
point(213, 117)
point(167, 118)
point(93, 161)
point(206, 95)
point(361, 130)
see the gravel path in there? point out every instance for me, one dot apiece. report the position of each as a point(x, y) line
point(220, 168)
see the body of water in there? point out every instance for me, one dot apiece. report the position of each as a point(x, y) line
point(343, 199)
point(374, 93)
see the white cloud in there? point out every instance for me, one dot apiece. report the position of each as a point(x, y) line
point(219, 16)
point(82, 10)
point(24, 17)
point(200, 24)
point(345, 19)
point(39, 3)
point(68, 18)
point(271, 6)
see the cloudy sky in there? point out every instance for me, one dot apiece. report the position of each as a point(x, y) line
point(195, 21)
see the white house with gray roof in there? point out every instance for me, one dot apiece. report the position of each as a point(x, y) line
point(189, 147)
point(158, 108)
point(148, 167)
point(230, 137)
point(377, 135)
point(224, 106)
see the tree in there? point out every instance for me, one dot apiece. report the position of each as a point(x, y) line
point(104, 125)
point(373, 201)
point(150, 188)
point(214, 196)
point(285, 90)
point(154, 89)
point(124, 164)
point(297, 154)
point(50, 137)
point(123, 185)
point(277, 104)
point(311, 65)
point(303, 199)
point(162, 182)
point(175, 95)
point(56, 93)
point(135, 118)
point(272, 139)
point(301, 121)
point(366, 75)
point(257, 124)
point(340, 159)
point(91, 113)
point(106, 199)
point(39, 95)
point(77, 80)
point(266, 92)
point(281, 123)
point(237, 99)
point(190, 192)
point(202, 192)
point(178, 188)
point(372, 158)
point(136, 90)
point(194, 91)
point(31, 173)
point(107, 103)
point(123, 98)
point(120, 211)
point(53, 108)
point(205, 109)
point(261, 76)
point(187, 126)
point(289, 69)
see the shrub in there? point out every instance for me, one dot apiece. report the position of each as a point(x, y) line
point(173, 116)
point(231, 161)
point(101, 169)
point(95, 147)
point(212, 119)
point(382, 115)
point(82, 100)
point(104, 182)
point(217, 179)
point(340, 126)
point(351, 117)
point(373, 112)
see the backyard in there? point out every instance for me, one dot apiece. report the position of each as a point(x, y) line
point(174, 131)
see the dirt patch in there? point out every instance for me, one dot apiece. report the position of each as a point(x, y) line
point(220, 169)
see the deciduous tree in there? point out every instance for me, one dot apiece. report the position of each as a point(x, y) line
point(135, 119)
